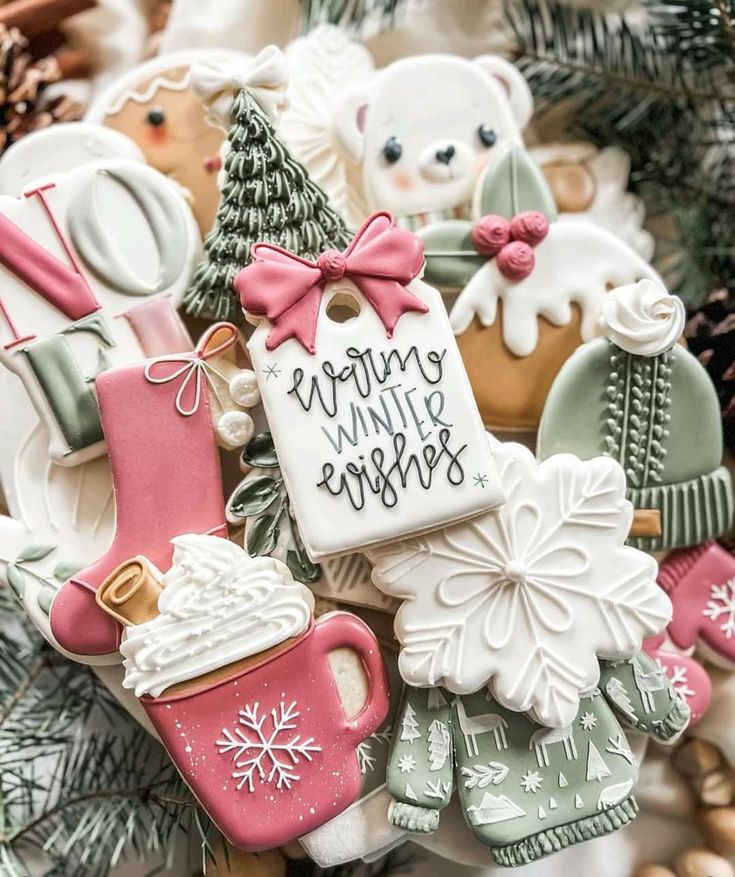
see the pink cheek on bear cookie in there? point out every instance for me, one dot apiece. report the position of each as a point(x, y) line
point(402, 181)
point(481, 162)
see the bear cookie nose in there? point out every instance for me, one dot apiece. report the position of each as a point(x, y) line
point(444, 156)
point(332, 264)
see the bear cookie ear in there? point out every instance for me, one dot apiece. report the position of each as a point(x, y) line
point(513, 83)
point(349, 118)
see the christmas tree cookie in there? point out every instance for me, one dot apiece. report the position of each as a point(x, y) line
point(530, 288)
point(527, 790)
point(266, 194)
point(640, 398)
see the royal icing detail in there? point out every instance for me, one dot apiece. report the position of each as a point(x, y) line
point(382, 405)
point(642, 318)
point(218, 605)
point(268, 749)
point(526, 598)
point(686, 676)
point(60, 269)
point(416, 163)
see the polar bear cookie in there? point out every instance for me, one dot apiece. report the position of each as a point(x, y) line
point(422, 157)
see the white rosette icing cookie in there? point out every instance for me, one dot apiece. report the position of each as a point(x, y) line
point(218, 605)
point(643, 318)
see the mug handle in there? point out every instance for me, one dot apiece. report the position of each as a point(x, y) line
point(343, 630)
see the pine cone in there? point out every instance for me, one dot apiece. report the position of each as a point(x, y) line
point(22, 84)
point(710, 333)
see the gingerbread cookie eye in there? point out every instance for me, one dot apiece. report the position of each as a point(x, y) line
point(392, 150)
point(487, 135)
point(156, 117)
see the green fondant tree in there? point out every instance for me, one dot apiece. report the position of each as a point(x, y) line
point(267, 196)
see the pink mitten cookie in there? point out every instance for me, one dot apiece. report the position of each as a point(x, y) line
point(701, 584)
point(687, 676)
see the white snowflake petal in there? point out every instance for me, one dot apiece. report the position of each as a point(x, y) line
point(527, 597)
point(721, 607)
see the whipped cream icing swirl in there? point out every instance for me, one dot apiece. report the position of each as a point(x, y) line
point(643, 318)
point(218, 605)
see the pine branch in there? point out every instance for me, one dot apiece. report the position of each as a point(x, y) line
point(358, 15)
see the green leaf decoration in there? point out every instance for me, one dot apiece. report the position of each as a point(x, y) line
point(302, 568)
point(45, 597)
point(16, 580)
point(65, 569)
point(513, 184)
point(260, 452)
point(451, 258)
point(254, 496)
point(32, 553)
point(263, 536)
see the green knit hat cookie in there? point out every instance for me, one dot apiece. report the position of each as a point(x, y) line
point(639, 397)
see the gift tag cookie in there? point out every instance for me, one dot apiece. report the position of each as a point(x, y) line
point(423, 163)
point(354, 355)
point(530, 288)
point(527, 598)
point(154, 105)
point(237, 680)
point(634, 395)
point(59, 149)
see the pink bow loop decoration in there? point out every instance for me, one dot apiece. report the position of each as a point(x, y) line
point(286, 289)
point(193, 368)
point(511, 242)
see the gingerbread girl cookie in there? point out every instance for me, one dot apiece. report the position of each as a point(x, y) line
point(530, 288)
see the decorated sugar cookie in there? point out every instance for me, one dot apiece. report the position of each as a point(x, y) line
point(524, 600)
point(321, 65)
point(166, 476)
point(154, 105)
point(60, 149)
point(590, 183)
point(237, 681)
point(530, 288)
point(421, 160)
point(93, 263)
point(261, 503)
point(354, 354)
point(527, 790)
point(687, 676)
point(291, 210)
point(634, 395)
point(701, 584)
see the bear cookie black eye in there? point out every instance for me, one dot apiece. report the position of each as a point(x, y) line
point(487, 135)
point(156, 117)
point(392, 150)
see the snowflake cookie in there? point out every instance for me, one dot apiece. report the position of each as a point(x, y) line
point(526, 599)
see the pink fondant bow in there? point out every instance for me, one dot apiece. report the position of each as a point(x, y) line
point(193, 368)
point(381, 261)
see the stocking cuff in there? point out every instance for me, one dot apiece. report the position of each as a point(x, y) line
point(413, 818)
point(669, 729)
point(552, 840)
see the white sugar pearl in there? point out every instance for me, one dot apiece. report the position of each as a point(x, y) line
point(235, 429)
point(244, 389)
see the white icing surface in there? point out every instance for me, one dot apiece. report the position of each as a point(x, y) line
point(218, 605)
point(643, 318)
point(577, 262)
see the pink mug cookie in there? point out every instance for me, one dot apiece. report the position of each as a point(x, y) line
point(269, 751)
